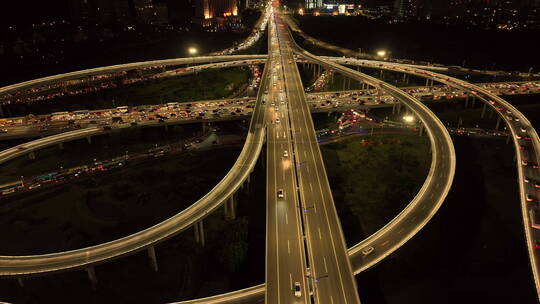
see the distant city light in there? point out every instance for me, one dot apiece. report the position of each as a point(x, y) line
point(408, 118)
point(192, 51)
point(381, 53)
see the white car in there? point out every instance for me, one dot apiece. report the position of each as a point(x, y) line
point(277, 120)
point(285, 153)
point(297, 290)
point(280, 193)
point(366, 251)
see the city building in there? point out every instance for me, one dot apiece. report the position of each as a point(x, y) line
point(314, 4)
point(100, 11)
point(210, 9)
point(146, 12)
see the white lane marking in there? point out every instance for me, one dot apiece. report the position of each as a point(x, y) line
point(288, 247)
point(310, 186)
point(331, 299)
point(286, 218)
point(290, 280)
point(385, 242)
point(320, 234)
point(325, 267)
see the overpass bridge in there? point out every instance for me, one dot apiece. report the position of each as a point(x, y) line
point(10, 263)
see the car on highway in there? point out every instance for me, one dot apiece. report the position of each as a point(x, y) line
point(529, 198)
point(537, 244)
point(280, 193)
point(366, 251)
point(285, 153)
point(297, 290)
point(34, 186)
point(3, 130)
point(277, 120)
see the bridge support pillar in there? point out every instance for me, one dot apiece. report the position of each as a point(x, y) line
point(399, 108)
point(32, 155)
point(197, 234)
point(152, 258)
point(89, 139)
point(498, 122)
point(61, 146)
point(404, 77)
point(421, 131)
point(204, 128)
point(508, 139)
point(230, 208)
point(467, 102)
point(329, 113)
point(201, 232)
point(473, 101)
point(427, 82)
point(166, 127)
point(92, 277)
point(1, 111)
point(393, 108)
point(381, 75)
point(483, 110)
point(491, 113)
point(21, 282)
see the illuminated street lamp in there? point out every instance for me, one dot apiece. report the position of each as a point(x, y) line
point(301, 11)
point(408, 118)
point(192, 51)
point(381, 53)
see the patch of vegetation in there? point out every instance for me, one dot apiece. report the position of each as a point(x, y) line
point(109, 206)
point(374, 178)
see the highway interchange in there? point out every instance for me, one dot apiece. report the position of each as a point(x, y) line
point(302, 168)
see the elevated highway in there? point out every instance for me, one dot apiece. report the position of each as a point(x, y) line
point(358, 260)
point(145, 239)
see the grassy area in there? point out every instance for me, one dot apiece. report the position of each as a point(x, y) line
point(210, 84)
point(474, 245)
point(232, 258)
point(105, 207)
point(373, 178)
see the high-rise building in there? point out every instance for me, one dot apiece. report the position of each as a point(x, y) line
point(80, 11)
point(122, 12)
point(105, 11)
point(146, 12)
point(412, 9)
point(314, 4)
point(209, 9)
point(100, 11)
